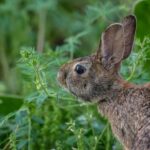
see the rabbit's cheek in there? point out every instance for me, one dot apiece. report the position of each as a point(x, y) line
point(79, 89)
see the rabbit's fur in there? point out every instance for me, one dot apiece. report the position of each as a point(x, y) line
point(127, 106)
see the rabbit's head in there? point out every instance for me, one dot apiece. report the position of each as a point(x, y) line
point(93, 76)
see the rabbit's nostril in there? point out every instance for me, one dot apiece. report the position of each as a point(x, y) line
point(60, 76)
point(85, 85)
point(65, 75)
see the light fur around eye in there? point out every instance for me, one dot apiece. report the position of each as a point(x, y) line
point(85, 64)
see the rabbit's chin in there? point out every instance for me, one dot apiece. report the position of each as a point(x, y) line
point(86, 98)
point(82, 94)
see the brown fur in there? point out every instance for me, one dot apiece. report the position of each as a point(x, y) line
point(127, 106)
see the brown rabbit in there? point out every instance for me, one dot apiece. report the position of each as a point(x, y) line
point(96, 77)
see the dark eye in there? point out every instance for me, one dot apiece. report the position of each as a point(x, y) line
point(80, 69)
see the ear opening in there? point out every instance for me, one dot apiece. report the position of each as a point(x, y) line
point(112, 45)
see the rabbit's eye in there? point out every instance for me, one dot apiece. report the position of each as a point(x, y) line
point(80, 69)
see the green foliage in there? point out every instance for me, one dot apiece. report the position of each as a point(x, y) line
point(35, 113)
point(142, 18)
point(136, 67)
point(49, 24)
point(14, 103)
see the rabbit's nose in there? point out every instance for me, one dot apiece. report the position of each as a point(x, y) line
point(61, 77)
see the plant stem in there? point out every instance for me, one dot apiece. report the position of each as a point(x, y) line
point(41, 31)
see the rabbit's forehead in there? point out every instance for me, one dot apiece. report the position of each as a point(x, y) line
point(84, 63)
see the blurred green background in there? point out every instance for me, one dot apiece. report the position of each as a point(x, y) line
point(36, 38)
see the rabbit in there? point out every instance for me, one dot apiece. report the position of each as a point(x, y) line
point(96, 78)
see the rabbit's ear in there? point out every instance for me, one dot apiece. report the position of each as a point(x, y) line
point(111, 50)
point(129, 26)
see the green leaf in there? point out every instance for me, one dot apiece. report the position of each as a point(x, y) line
point(142, 12)
point(9, 103)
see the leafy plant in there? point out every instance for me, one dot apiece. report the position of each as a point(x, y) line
point(143, 24)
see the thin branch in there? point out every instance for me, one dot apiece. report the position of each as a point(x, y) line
point(41, 31)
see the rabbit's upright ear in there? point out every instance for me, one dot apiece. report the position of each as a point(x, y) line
point(129, 26)
point(111, 49)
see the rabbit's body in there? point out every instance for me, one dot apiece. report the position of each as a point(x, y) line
point(128, 111)
point(96, 77)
